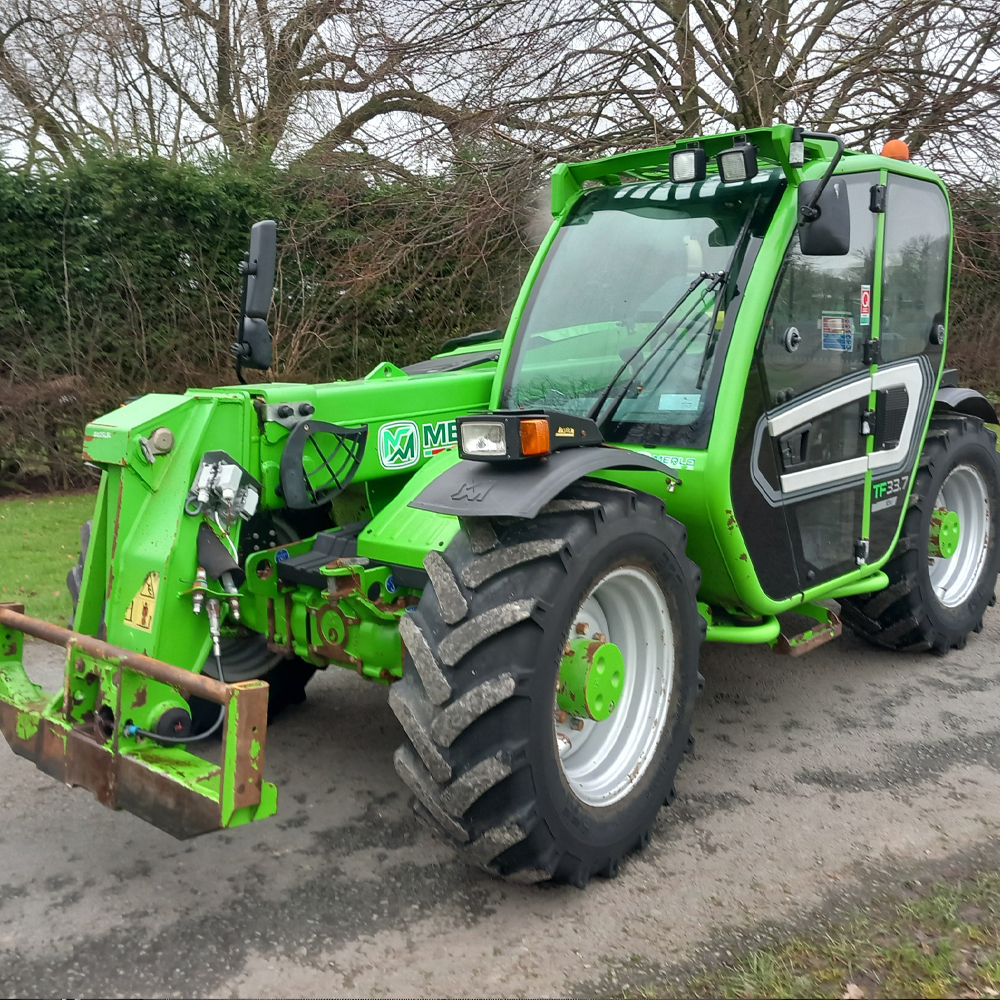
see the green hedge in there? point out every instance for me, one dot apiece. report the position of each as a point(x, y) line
point(119, 277)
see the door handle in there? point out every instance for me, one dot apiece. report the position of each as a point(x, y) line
point(794, 447)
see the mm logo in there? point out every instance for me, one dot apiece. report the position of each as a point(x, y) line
point(439, 437)
point(472, 492)
point(397, 445)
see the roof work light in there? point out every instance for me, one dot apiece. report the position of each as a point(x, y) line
point(688, 165)
point(738, 163)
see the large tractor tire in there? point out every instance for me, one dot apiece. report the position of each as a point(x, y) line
point(74, 578)
point(935, 599)
point(513, 782)
point(245, 655)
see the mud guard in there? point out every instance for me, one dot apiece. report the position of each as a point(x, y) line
point(521, 489)
point(967, 401)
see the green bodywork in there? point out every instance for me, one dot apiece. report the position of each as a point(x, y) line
point(140, 526)
point(944, 534)
point(591, 678)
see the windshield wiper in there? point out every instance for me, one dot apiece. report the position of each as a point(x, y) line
point(715, 280)
point(718, 280)
point(603, 397)
point(713, 333)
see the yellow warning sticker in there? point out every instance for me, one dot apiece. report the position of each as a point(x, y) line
point(139, 614)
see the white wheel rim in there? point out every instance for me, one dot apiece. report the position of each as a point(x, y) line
point(603, 761)
point(953, 579)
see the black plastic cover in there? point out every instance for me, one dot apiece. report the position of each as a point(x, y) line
point(890, 415)
point(326, 547)
point(340, 463)
point(451, 363)
point(215, 557)
point(975, 404)
point(521, 489)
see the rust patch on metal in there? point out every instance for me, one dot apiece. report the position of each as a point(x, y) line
point(75, 757)
point(140, 697)
point(327, 647)
point(251, 733)
point(289, 646)
point(787, 645)
point(346, 585)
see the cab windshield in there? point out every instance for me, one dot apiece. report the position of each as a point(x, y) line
point(623, 260)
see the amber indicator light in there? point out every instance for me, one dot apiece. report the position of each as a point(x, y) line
point(534, 436)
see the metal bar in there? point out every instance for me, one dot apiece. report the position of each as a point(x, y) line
point(243, 742)
point(198, 684)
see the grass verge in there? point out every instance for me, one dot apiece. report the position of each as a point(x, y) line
point(943, 942)
point(39, 542)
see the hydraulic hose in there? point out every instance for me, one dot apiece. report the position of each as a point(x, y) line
point(131, 730)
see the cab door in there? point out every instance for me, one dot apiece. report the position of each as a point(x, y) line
point(809, 454)
point(912, 316)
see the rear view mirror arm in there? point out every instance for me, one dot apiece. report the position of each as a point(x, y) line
point(245, 266)
point(810, 211)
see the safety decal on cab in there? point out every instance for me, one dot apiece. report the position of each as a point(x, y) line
point(838, 331)
point(139, 613)
point(866, 305)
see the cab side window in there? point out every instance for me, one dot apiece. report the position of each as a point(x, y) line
point(815, 331)
point(914, 268)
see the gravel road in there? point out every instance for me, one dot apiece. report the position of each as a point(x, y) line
point(813, 781)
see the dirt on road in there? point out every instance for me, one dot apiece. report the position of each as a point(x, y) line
point(813, 781)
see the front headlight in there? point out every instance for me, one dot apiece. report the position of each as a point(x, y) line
point(485, 438)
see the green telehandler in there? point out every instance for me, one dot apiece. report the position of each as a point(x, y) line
point(721, 397)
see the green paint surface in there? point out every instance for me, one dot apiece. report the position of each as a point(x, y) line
point(27, 725)
point(591, 679)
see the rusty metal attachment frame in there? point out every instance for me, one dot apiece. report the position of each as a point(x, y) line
point(168, 786)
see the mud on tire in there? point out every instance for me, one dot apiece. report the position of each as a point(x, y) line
point(477, 696)
point(910, 613)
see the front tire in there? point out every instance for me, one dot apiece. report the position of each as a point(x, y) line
point(478, 694)
point(932, 602)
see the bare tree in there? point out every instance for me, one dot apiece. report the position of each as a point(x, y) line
point(257, 78)
point(929, 72)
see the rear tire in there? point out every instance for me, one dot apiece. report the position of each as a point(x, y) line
point(933, 604)
point(477, 698)
point(245, 656)
point(74, 578)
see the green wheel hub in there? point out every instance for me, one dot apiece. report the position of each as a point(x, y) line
point(945, 533)
point(591, 678)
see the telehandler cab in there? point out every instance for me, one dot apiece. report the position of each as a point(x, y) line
point(721, 396)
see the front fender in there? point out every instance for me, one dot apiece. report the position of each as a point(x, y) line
point(521, 489)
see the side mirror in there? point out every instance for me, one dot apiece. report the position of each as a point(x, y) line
point(253, 339)
point(828, 234)
point(260, 269)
